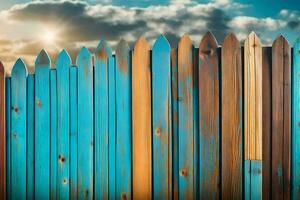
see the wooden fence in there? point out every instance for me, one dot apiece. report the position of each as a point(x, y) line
point(207, 123)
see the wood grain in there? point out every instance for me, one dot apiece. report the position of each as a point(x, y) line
point(281, 120)
point(209, 117)
point(253, 97)
point(141, 120)
point(232, 119)
point(2, 134)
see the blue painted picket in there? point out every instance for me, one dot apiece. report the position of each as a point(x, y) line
point(63, 65)
point(161, 118)
point(8, 138)
point(73, 132)
point(18, 130)
point(85, 124)
point(30, 136)
point(123, 123)
point(253, 179)
point(103, 53)
point(296, 121)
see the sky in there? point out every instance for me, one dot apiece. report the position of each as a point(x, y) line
point(27, 27)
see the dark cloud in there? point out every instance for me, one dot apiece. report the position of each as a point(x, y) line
point(294, 24)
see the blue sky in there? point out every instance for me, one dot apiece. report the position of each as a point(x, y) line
point(29, 26)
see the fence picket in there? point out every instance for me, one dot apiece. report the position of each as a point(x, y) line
point(18, 130)
point(295, 121)
point(209, 117)
point(53, 136)
point(42, 126)
point(7, 136)
point(232, 119)
point(63, 65)
point(141, 120)
point(185, 117)
point(281, 120)
point(123, 112)
point(253, 111)
point(2, 134)
point(30, 136)
point(161, 116)
point(85, 125)
point(74, 132)
point(101, 76)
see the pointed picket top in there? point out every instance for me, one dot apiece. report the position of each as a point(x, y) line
point(142, 43)
point(208, 42)
point(83, 54)
point(63, 59)
point(280, 40)
point(122, 55)
point(185, 40)
point(43, 59)
point(253, 40)
point(297, 44)
point(231, 39)
point(19, 68)
point(103, 51)
point(161, 44)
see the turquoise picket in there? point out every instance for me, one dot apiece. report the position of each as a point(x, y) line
point(295, 121)
point(8, 141)
point(74, 132)
point(18, 130)
point(247, 179)
point(101, 120)
point(85, 124)
point(112, 126)
point(161, 116)
point(253, 179)
point(30, 136)
point(123, 123)
point(42, 126)
point(63, 65)
point(53, 135)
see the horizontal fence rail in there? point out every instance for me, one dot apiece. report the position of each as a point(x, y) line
point(205, 122)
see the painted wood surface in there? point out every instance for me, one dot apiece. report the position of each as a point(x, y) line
point(18, 130)
point(85, 124)
point(74, 132)
point(141, 120)
point(103, 53)
point(296, 121)
point(232, 119)
point(253, 97)
point(267, 124)
point(53, 136)
point(7, 136)
point(2, 134)
point(281, 118)
point(174, 83)
point(253, 179)
point(30, 136)
point(185, 119)
point(123, 123)
point(161, 118)
point(42, 126)
point(209, 116)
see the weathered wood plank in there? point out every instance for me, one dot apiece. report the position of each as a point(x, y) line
point(161, 116)
point(53, 136)
point(185, 117)
point(267, 92)
point(296, 121)
point(209, 117)
point(8, 135)
point(174, 138)
point(141, 120)
point(42, 126)
point(253, 97)
point(18, 130)
point(232, 119)
point(85, 124)
point(63, 65)
point(2, 135)
point(281, 120)
point(123, 124)
point(253, 179)
point(101, 76)
point(74, 132)
point(30, 136)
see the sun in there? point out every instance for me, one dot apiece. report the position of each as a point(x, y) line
point(49, 36)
